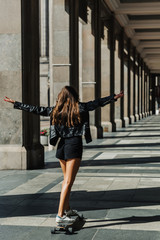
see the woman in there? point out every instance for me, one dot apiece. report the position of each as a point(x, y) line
point(69, 121)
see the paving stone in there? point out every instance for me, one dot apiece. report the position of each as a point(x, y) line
point(134, 215)
point(117, 190)
point(14, 232)
point(126, 235)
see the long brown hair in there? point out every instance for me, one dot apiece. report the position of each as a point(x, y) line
point(66, 111)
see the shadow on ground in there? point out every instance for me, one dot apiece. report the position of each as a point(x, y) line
point(120, 161)
point(150, 145)
point(110, 162)
point(123, 221)
point(47, 203)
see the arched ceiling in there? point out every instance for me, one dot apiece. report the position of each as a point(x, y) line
point(141, 21)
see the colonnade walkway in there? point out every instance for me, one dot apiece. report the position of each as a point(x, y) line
point(117, 189)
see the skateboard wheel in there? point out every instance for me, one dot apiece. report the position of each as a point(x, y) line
point(81, 216)
point(53, 230)
point(70, 230)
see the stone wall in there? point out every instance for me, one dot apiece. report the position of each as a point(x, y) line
point(59, 47)
point(10, 71)
point(12, 154)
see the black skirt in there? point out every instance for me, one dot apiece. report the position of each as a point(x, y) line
point(69, 148)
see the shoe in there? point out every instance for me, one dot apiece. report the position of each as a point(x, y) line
point(64, 219)
point(71, 212)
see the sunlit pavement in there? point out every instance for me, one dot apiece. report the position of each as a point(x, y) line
point(117, 189)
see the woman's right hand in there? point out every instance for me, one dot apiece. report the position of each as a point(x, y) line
point(6, 99)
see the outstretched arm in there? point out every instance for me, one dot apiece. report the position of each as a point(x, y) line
point(44, 111)
point(119, 95)
point(101, 102)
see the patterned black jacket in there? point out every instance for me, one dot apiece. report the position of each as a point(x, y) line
point(57, 131)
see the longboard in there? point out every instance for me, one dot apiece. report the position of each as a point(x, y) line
point(69, 228)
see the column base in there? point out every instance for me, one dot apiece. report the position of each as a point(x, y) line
point(140, 116)
point(132, 119)
point(118, 123)
point(113, 126)
point(16, 157)
point(96, 132)
point(137, 117)
point(143, 115)
point(35, 156)
point(150, 113)
point(124, 122)
point(99, 131)
point(107, 126)
point(13, 157)
point(126, 119)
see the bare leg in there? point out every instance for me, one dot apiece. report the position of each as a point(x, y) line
point(71, 169)
point(63, 166)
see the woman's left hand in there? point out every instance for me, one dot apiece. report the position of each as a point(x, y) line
point(6, 99)
point(119, 95)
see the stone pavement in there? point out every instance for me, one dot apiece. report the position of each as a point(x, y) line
point(117, 189)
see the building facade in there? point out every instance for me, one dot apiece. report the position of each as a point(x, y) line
point(96, 46)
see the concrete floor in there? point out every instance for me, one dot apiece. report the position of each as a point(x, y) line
point(117, 189)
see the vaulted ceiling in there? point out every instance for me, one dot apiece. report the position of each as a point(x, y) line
point(141, 21)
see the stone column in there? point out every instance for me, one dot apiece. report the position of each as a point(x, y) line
point(88, 66)
point(129, 78)
point(117, 88)
point(147, 91)
point(44, 57)
point(122, 75)
point(74, 46)
point(44, 33)
point(105, 77)
point(150, 93)
point(97, 45)
point(140, 92)
point(134, 83)
point(12, 153)
point(112, 69)
point(136, 92)
point(131, 92)
point(30, 82)
point(80, 58)
point(153, 94)
point(138, 88)
point(25, 131)
point(126, 91)
point(145, 80)
point(148, 96)
point(142, 87)
point(59, 46)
